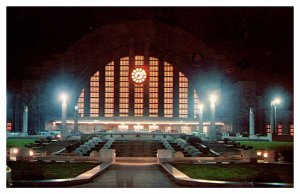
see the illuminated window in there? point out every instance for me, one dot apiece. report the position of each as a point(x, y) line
point(8, 126)
point(292, 130)
point(139, 91)
point(183, 96)
point(153, 87)
point(109, 90)
point(124, 87)
point(80, 104)
point(268, 128)
point(94, 95)
point(168, 90)
point(279, 129)
point(196, 104)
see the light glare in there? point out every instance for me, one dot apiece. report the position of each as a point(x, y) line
point(201, 106)
point(63, 97)
point(276, 101)
point(213, 98)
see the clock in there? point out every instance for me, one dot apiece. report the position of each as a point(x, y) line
point(138, 75)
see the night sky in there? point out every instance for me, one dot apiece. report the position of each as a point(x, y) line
point(257, 38)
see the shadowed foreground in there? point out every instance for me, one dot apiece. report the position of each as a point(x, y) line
point(143, 176)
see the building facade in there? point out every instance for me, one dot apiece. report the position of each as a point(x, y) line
point(138, 75)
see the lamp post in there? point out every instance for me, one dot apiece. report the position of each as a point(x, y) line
point(63, 98)
point(212, 131)
point(200, 106)
point(25, 121)
point(274, 102)
point(76, 120)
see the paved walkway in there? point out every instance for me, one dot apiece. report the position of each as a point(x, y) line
point(132, 175)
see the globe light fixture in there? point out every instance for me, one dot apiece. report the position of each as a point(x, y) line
point(63, 97)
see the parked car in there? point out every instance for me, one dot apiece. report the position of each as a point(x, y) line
point(57, 134)
point(47, 134)
point(31, 132)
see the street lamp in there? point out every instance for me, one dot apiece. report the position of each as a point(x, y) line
point(274, 102)
point(212, 132)
point(76, 120)
point(64, 98)
point(200, 106)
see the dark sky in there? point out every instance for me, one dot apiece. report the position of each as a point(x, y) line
point(257, 38)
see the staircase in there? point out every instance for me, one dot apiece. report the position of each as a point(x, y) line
point(177, 148)
point(96, 148)
point(224, 149)
point(136, 148)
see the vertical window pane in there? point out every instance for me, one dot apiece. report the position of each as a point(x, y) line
point(94, 95)
point(109, 90)
point(139, 91)
point(80, 104)
point(124, 87)
point(168, 90)
point(183, 95)
point(153, 87)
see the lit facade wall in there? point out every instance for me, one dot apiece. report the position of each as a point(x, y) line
point(89, 101)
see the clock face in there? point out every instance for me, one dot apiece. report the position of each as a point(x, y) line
point(138, 75)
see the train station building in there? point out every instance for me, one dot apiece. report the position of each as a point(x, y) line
point(142, 75)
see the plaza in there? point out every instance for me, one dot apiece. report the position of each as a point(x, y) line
point(137, 91)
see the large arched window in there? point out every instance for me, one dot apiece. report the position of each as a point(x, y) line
point(157, 92)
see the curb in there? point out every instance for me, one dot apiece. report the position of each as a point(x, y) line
point(182, 179)
point(83, 178)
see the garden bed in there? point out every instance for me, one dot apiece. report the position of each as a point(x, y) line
point(278, 146)
point(22, 170)
point(239, 172)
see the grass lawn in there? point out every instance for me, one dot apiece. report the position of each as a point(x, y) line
point(18, 142)
point(239, 172)
point(46, 170)
point(269, 145)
